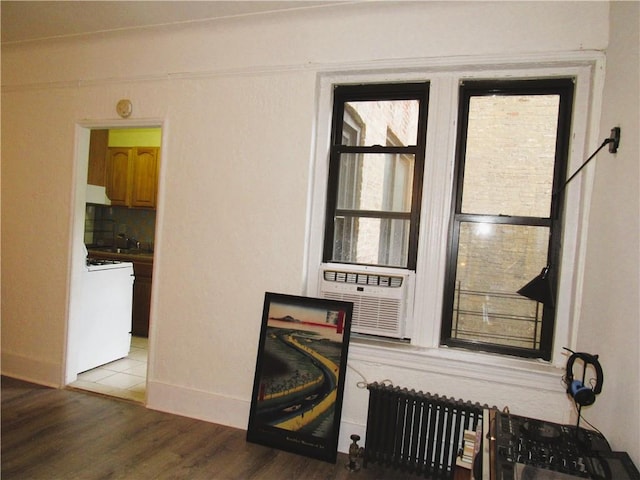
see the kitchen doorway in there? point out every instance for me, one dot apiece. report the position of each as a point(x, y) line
point(125, 378)
point(114, 229)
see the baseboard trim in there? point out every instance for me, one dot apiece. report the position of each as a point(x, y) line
point(31, 370)
point(231, 412)
point(192, 403)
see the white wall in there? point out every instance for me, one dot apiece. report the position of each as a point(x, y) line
point(610, 324)
point(237, 101)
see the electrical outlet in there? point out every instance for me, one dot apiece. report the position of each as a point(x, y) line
point(615, 140)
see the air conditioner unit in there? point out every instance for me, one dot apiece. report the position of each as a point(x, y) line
point(381, 300)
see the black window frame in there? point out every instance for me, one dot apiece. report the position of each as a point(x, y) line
point(343, 94)
point(564, 87)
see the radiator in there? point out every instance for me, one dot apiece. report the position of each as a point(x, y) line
point(416, 432)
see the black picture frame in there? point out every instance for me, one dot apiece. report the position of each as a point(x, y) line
point(298, 387)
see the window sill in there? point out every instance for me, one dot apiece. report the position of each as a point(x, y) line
point(455, 362)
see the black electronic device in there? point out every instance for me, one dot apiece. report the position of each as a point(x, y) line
point(606, 466)
point(582, 394)
point(617, 466)
point(527, 448)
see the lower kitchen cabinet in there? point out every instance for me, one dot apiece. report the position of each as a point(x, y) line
point(141, 299)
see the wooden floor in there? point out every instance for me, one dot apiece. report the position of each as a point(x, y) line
point(50, 434)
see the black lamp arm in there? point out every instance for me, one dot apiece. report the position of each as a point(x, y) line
point(613, 139)
point(561, 189)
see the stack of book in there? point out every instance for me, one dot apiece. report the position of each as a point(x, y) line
point(470, 447)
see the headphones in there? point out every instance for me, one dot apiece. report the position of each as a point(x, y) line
point(582, 394)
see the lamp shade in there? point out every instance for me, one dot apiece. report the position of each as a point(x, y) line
point(539, 289)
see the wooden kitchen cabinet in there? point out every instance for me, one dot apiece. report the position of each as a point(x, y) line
point(118, 163)
point(132, 176)
point(144, 177)
point(98, 146)
point(141, 298)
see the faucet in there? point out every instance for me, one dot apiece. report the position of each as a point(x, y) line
point(129, 242)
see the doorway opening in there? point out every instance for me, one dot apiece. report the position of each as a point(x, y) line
point(113, 253)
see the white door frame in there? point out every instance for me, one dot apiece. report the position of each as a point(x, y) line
point(77, 256)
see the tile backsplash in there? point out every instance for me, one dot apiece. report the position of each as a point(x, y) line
point(104, 223)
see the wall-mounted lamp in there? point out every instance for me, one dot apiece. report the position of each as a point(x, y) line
point(539, 289)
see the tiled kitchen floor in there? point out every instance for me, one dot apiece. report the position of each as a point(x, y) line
point(125, 378)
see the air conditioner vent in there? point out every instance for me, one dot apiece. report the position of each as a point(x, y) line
point(380, 300)
point(392, 281)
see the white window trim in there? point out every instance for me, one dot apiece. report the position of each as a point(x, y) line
point(424, 353)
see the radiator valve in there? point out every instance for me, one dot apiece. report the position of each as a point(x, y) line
point(355, 452)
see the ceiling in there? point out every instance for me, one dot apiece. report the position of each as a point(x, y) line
point(37, 20)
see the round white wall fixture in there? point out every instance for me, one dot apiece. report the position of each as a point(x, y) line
point(124, 108)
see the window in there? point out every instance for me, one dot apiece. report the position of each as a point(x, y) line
point(462, 288)
point(375, 174)
point(512, 149)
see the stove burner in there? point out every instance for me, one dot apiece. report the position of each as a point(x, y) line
point(101, 261)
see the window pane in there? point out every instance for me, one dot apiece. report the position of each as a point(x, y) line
point(372, 241)
point(510, 155)
point(373, 122)
point(494, 261)
point(378, 182)
point(394, 241)
point(377, 151)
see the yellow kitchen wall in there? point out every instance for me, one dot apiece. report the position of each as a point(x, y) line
point(135, 137)
point(238, 134)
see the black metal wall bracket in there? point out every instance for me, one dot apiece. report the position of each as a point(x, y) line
point(614, 140)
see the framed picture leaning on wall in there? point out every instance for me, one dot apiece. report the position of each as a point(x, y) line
point(300, 371)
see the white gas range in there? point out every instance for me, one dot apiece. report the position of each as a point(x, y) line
point(105, 327)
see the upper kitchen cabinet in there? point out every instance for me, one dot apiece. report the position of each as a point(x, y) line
point(144, 187)
point(98, 144)
point(132, 176)
point(118, 163)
